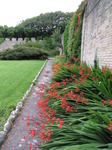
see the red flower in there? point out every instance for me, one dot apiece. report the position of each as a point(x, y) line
point(86, 101)
point(77, 90)
point(102, 102)
point(42, 126)
point(110, 127)
point(61, 122)
point(29, 146)
point(78, 99)
point(63, 104)
point(103, 70)
point(73, 76)
point(58, 96)
point(28, 117)
point(70, 95)
point(64, 82)
point(68, 61)
point(53, 120)
point(83, 100)
point(37, 123)
point(81, 93)
point(74, 96)
point(27, 122)
point(32, 132)
point(69, 108)
point(42, 135)
point(47, 71)
point(75, 59)
point(110, 102)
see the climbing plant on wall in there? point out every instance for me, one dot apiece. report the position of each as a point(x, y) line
point(73, 33)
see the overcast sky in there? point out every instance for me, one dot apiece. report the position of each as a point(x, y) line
point(14, 11)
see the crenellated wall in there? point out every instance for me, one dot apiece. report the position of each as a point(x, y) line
point(9, 43)
point(97, 32)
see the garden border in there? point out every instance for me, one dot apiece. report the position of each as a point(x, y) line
point(14, 114)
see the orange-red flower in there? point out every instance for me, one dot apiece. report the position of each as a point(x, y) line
point(110, 127)
point(103, 102)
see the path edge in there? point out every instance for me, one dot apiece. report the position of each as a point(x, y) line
point(14, 114)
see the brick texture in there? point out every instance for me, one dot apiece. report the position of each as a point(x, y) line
point(97, 32)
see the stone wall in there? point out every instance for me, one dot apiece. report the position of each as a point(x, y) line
point(9, 43)
point(97, 32)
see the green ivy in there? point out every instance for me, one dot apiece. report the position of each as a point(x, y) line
point(66, 33)
point(73, 33)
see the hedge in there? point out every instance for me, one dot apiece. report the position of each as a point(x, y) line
point(23, 53)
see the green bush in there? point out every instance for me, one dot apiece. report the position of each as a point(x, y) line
point(1, 40)
point(53, 53)
point(42, 44)
point(23, 53)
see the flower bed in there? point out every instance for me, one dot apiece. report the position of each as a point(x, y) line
point(77, 109)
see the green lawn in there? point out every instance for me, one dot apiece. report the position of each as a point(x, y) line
point(15, 79)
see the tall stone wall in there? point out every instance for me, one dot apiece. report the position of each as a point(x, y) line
point(9, 43)
point(97, 32)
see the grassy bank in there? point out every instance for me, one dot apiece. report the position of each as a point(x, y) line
point(15, 78)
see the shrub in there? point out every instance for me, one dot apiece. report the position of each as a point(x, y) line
point(53, 53)
point(59, 59)
point(1, 40)
point(41, 45)
point(23, 53)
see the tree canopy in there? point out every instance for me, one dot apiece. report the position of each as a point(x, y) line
point(40, 26)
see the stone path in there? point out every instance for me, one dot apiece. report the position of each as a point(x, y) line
point(19, 137)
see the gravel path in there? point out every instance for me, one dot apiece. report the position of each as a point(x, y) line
point(19, 137)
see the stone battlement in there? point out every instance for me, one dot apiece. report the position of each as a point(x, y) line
point(10, 42)
point(20, 39)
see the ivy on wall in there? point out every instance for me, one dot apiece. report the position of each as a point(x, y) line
point(73, 33)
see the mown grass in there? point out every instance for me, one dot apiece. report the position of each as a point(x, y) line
point(15, 78)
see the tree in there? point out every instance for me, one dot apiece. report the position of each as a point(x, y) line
point(19, 31)
point(5, 31)
point(56, 38)
point(1, 31)
point(10, 32)
point(44, 24)
point(40, 26)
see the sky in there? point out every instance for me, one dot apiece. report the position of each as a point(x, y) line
point(12, 12)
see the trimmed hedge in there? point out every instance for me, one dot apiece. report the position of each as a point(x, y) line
point(23, 53)
point(41, 45)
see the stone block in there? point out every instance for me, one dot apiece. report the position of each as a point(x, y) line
point(33, 39)
point(2, 136)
